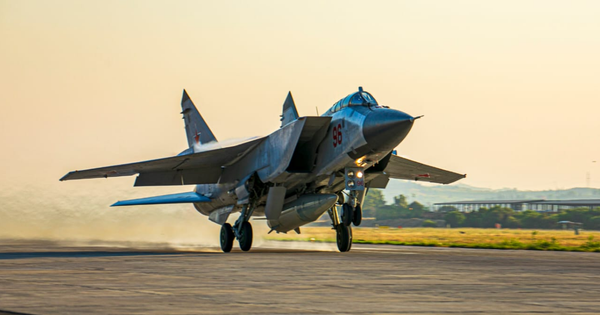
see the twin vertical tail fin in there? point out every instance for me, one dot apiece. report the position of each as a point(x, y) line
point(290, 113)
point(197, 130)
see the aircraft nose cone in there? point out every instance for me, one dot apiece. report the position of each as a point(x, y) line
point(384, 129)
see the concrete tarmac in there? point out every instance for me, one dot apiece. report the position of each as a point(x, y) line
point(43, 277)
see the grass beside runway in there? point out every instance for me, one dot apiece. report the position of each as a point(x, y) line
point(561, 240)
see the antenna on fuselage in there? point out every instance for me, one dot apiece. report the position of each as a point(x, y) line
point(317, 108)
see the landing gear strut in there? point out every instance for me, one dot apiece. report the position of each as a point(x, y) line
point(243, 229)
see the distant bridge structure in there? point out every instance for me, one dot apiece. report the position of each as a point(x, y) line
point(540, 205)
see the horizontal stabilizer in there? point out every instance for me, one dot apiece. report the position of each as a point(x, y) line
point(187, 197)
point(403, 168)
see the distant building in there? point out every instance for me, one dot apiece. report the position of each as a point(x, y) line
point(540, 205)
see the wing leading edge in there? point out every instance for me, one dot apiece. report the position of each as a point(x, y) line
point(402, 168)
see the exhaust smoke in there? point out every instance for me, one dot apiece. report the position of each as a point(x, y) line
point(78, 214)
point(84, 217)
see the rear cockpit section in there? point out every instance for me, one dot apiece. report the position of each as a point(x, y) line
point(360, 98)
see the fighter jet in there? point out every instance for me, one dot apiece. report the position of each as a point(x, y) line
point(309, 166)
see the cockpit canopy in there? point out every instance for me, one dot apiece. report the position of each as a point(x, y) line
point(360, 98)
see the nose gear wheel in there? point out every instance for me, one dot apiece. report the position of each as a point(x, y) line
point(347, 214)
point(357, 217)
point(344, 237)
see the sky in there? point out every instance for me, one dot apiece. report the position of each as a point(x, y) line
point(510, 90)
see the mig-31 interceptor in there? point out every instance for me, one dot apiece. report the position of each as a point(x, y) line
point(309, 166)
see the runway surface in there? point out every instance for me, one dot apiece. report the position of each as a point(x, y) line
point(43, 277)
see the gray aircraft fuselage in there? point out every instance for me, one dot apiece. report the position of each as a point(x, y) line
point(357, 136)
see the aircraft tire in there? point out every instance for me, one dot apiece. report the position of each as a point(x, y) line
point(227, 237)
point(246, 236)
point(344, 237)
point(357, 217)
point(347, 214)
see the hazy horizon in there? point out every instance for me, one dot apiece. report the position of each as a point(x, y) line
point(509, 90)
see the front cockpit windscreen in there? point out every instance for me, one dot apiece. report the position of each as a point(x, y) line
point(369, 98)
point(360, 98)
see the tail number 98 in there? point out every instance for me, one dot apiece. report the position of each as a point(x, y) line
point(337, 135)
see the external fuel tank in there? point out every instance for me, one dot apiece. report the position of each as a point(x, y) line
point(305, 209)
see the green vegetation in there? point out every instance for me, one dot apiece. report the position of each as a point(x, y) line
point(375, 206)
point(429, 223)
point(465, 238)
point(390, 214)
point(476, 229)
point(528, 219)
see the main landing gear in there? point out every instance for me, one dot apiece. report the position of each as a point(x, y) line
point(243, 235)
point(228, 235)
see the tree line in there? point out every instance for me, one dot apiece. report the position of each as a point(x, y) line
point(375, 206)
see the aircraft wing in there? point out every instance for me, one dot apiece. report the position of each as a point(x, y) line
point(196, 168)
point(402, 168)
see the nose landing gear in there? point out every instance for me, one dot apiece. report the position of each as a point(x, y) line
point(343, 228)
point(351, 214)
